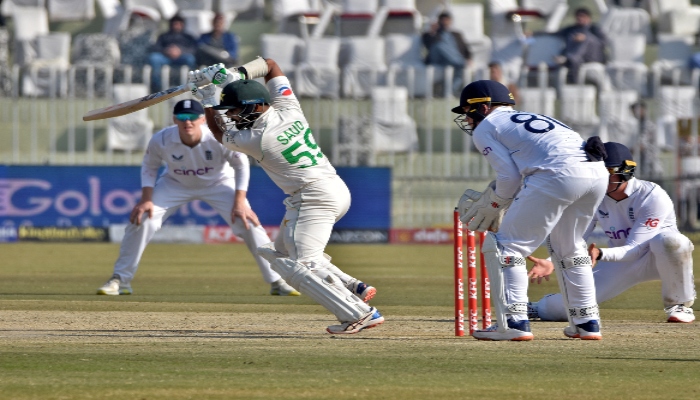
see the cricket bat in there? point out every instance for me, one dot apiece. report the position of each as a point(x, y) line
point(127, 107)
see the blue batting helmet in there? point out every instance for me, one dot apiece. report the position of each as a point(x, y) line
point(619, 160)
point(484, 91)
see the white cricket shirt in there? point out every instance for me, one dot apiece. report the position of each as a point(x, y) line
point(632, 222)
point(518, 144)
point(282, 142)
point(205, 164)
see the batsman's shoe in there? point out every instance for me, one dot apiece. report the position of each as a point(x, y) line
point(518, 331)
point(114, 287)
point(532, 313)
point(586, 331)
point(281, 288)
point(370, 320)
point(680, 313)
point(362, 290)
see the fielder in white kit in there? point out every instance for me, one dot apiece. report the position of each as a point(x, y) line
point(269, 125)
point(550, 188)
point(198, 167)
point(644, 244)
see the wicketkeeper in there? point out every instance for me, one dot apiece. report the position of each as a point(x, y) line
point(551, 190)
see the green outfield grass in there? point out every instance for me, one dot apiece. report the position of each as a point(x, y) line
point(202, 326)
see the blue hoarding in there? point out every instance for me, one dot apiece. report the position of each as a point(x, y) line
point(100, 196)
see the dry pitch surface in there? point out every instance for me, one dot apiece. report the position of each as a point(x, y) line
point(212, 332)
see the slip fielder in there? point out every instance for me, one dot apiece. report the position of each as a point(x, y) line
point(198, 167)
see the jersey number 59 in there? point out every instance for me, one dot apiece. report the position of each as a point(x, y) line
point(306, 146)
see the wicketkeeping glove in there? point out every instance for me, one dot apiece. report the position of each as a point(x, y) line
point(467, 201)
point(218, 74)
point(487, 211)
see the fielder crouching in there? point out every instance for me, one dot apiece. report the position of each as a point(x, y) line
point(551, 191)
point(644, 244)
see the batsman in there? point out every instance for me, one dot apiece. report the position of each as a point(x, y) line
point(551, 181)
point(268, 124)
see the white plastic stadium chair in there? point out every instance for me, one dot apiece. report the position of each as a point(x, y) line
point(677, 101)
point(393, 129)
point(130, 132)
point(626, 21)
point(363, 65)
point(46, 73)
point(578, 107)
point(71, 10)
point(406, 66)
point(318, 73)
point(678, 17)
point(537, 100)
point(286, 50)
point(626, 67)
point(616, 116)
point(672, 64)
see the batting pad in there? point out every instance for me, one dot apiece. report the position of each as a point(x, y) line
point(495, 269)
point(327, 291)
point(268, 252)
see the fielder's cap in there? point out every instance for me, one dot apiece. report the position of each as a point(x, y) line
point(484, 91)
point(188, 107)
point(241, 93)
point(617, 154)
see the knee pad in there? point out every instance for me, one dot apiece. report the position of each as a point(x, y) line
point(270, 253)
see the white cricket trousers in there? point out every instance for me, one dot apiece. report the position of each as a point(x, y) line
point(168, 196)
point(308, 222)
point(668, 257)
point(560, 205)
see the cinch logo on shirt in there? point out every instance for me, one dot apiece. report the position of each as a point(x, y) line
point(619, 234)
point(284, 90)
point(186, 172)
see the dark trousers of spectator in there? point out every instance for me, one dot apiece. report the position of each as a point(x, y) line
point(158, 60)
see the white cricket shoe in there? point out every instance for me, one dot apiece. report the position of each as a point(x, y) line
point(680, 313)
point(362, 290)
point(370, 320)
point(282, 288)
point(518, 331)
point(114, 287)
point(586, 331)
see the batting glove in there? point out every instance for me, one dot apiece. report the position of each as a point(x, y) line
point(218, 75)
point(206, 94)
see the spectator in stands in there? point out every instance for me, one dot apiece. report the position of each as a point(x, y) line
point(446, 49)
point(646, 142)
point(174, 48)
point(219, 45)
point(585, 42)
point(496, 74)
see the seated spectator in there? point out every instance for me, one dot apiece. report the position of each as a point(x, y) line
point(496, 74)
point(445, 47)
point(174, 48)
point(585, 42)
point(219, 45)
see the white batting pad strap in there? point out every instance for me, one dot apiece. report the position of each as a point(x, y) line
point(327, 291)
point(585, 312)
point(517, 308)
point(579, 261)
